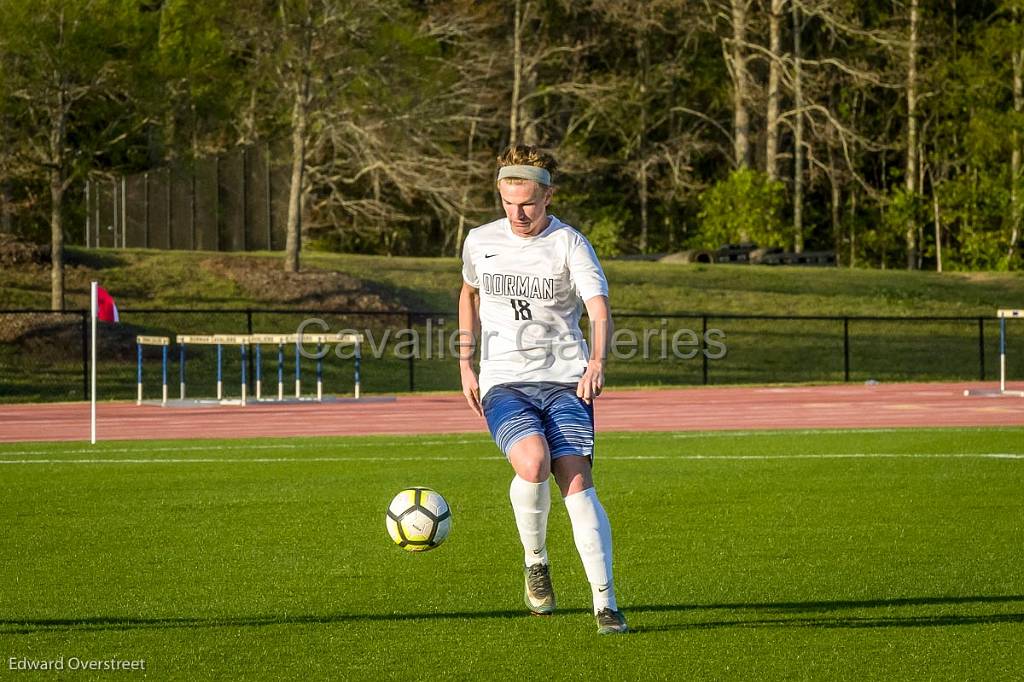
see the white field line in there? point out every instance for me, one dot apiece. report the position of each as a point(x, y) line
point(812, 432)
point(141, 447)
point(424, 458)
point(406, 441)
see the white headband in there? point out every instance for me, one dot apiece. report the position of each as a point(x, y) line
point(535, 173)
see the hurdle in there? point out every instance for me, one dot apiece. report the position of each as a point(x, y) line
point(1002, 315)
point(260, 340)
point(218, 340)
point(141, 341)
point(296, 341)
point(256, 342)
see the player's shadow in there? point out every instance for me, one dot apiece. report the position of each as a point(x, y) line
point(804, 614)
point(29, 625)
point(836, 613)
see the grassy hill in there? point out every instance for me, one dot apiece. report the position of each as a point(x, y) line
point(41, 358)
point(144, 278)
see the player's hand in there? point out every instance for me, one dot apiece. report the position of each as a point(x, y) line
point(471, 389)
point(592, 382)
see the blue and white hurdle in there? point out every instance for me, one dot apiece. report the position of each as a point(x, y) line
point(1004, 315)
point(218, 340)
point(280, 340)
point(141, 341)
point(297, 341)
point(256, 341)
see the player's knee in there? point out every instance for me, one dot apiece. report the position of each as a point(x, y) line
point(572, 474)
point(530, 464)
point(532, 469)
point(529, 457)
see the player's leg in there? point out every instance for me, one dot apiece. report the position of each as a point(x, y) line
point(569, 427)
point(593, 535)
point(516, 427)
point(530, 495)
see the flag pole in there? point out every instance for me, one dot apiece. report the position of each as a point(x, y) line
point(92, 366)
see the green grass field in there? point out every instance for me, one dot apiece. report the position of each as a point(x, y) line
point(851, 555)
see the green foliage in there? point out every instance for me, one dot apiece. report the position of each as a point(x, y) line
point(903, 209)
point(194, 61)
point(744, 207)
point(410, 101)
point(606, 229)
point(979, 205)
point(68, 101)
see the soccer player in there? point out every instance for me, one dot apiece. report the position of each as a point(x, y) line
point(524, 278)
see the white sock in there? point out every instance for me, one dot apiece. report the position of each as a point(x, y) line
point(530, 504)
point(593, 536)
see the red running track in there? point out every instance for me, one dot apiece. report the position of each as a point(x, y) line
point(681, 409)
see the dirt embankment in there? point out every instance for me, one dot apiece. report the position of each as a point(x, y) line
point(264, 279)
point(14, 252)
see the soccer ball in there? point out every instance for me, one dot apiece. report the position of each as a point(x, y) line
point(418, 519)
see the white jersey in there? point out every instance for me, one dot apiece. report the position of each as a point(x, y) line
point(531, 295)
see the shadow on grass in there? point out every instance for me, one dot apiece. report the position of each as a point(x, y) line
point(784, 614)
point(827, 614)
point(92, 259)
point(29, 625)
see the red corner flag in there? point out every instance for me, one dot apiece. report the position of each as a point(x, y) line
point(106, 309)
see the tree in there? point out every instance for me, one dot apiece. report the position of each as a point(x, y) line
point(798, 133)
point(630, 110)
point(466, 33)
point(62, 61)
point(197, 72)
point(388, 115)
point(520, 131)
point(772, 123)
point(912, 168)
point(743, 208)
point(1016, 170)
point(301, 22)
point(735, 50)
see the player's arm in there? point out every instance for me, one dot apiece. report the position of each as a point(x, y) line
point(592, 382)
point(469, 328)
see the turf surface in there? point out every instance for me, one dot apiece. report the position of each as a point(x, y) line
point(760, 555)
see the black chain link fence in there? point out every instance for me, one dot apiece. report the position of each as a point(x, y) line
point(44, 356)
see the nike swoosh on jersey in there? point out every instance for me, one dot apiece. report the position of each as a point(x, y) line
point(490, 255)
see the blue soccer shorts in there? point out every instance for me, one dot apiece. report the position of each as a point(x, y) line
point(552, 410)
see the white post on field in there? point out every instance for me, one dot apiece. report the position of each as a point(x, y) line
point(93, 305)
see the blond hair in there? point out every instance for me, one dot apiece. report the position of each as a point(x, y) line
point(526, 155)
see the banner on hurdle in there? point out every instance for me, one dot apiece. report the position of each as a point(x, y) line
point(215, 339)
point(162, 341)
